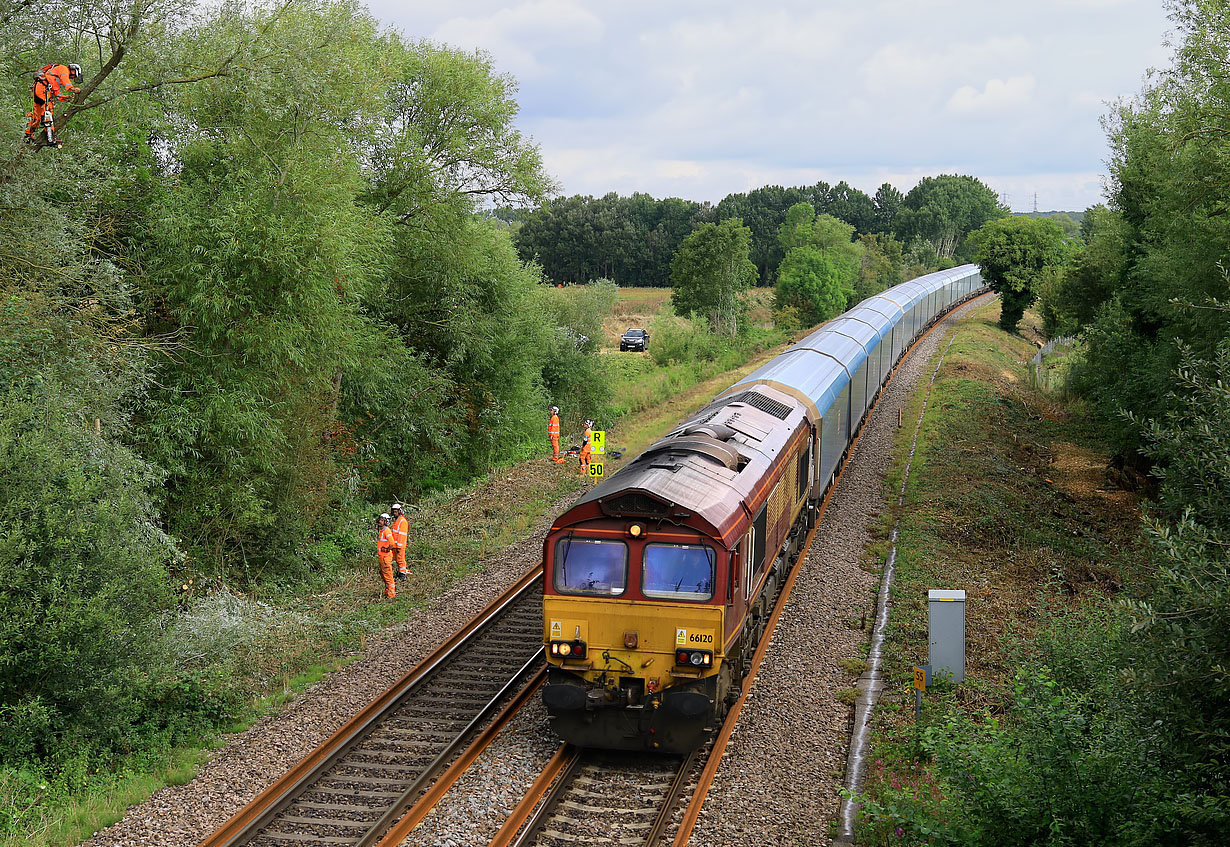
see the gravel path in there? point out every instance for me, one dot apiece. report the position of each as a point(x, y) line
point(783, 767)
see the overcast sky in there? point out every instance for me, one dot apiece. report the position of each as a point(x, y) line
point(701, 98)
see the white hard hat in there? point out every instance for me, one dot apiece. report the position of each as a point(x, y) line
point(589, 421)
point(555, 410)
point(396, 507)
point(385, 515)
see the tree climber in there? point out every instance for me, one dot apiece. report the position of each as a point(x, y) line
point(50, 81)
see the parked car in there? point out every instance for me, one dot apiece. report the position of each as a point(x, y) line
point(634, 339)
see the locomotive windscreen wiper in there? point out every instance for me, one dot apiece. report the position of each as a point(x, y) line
point(563, 566)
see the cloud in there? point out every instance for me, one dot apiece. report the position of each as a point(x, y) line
point(699, 98)
point(996, 96)
point(913, 65)
point(517, 35)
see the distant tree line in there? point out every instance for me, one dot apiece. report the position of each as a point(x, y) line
point(633, 240)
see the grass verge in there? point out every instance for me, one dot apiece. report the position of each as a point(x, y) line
point(1008, 500)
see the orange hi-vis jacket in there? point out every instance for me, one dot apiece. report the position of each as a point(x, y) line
point(385, 544)
point(384, 549)
point(401, 531)
point(553, 434)
point(60, 77)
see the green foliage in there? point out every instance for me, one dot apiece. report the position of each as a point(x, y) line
point(677, 341)
point(1184, 623)
point(943, 210)
point(1017, 255)
point(1070, 301)
point(813, 284)
point(573, 379)
point(477, 318)
point(1152, 277)
point(444, 135)
point(710, 270)
point(888, 201)
point(818, 275)
point(881, 266)
point(261, 250)
point(82, 561)
point(225, 322)
point(626, 239)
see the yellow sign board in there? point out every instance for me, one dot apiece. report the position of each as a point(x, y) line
point(597, 441)
point(596, 471)
point(920, 679)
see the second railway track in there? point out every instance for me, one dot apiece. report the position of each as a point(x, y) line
point(353, 787)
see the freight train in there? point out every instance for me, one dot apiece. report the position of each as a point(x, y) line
point(658, 583)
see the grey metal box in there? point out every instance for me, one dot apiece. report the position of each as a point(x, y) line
point(946, 620)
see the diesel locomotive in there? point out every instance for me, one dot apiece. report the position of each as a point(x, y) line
point(658, 583)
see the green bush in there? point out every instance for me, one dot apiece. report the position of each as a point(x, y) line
point(675, 341)
point(1074, 761)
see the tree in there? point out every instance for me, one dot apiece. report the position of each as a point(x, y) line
point(887, 203)
point(882, 266)
point(818, 274)
point(709, 271)
point(943, 210)
point(850, 205)
point(1016, 255)
point(763, 211)
point(809, 281)
point(1094, 272)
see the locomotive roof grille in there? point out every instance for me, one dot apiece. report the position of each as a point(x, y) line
point(635, 503)
point(764, 404)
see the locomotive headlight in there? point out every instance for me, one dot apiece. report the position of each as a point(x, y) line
point(695, 658)
point(636, 530)
point(568, 649)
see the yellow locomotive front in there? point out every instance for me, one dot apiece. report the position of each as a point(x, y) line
point(633, 625)
point(657, 582)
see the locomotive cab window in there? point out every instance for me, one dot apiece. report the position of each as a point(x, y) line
point(678, 572)
point(586, 566)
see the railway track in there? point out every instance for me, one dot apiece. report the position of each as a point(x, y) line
point(597, 797)
point(382, 772)
point(361, 780)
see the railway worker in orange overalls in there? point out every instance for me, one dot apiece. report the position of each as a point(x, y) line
point(384, 550)
point(553, 434)
point(50, 81)
point(585, 439)
point(401, 532)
